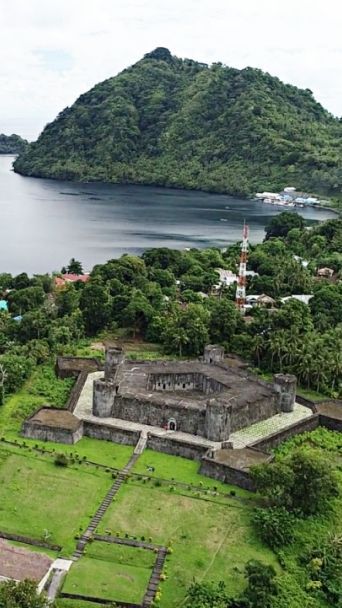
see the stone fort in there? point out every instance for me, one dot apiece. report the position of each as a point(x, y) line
point(211, 409)
point(204, 397)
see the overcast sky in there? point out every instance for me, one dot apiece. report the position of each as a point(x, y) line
point(53, 50)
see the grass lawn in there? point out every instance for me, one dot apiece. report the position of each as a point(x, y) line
point(37, 496)
point(111, 572)
point(52, 554)
point(43, 387)
point(65, 603)
point(106, 453)
point(209, 541)
point(176, 468)
point(122, 554)
point(311, 394)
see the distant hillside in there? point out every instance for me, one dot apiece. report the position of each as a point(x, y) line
point(177, 122)
point(12, 144)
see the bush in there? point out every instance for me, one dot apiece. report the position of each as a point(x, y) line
point(274, 526)
point(304, 483)
point(261, 585)
point(61, 460)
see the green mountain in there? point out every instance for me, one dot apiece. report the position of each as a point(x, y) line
point(181, 123)
point(12, 144)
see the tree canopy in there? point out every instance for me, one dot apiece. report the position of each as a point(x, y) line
point(21, 595)
point(12, 144)
point(181, 123)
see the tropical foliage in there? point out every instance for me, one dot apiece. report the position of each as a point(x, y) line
point(173, 298)
point(12, 144)
point(181, 123)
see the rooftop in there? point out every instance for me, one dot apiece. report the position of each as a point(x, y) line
point(55, 418)
point(240, 458)
point(233, 385)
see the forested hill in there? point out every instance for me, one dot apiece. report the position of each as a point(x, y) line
point(182, 123)
point(12, 144)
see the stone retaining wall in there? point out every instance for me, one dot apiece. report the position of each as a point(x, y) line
point(31, 430)
point(307, 402)
point(68, 367)
point(176, 448)
point(226, 474)
point(29, 541)
point(333, 424)
point(97, 600)
point(76, 391)
point(109, 433)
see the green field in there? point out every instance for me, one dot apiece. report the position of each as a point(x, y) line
point(176, 468)
point(105, 453)
point(41, 500)
point(111, 572)
point(67, 603)
point(43, 387)
point(209, 541)
point(52, 554)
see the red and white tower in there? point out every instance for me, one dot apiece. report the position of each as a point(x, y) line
point(241, 284)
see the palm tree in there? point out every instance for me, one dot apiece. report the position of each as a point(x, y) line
point(3, 376)
point(258, 347)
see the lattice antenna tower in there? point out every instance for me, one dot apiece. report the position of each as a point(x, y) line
point(241, 284)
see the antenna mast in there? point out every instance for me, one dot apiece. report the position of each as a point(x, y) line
point(241, 285)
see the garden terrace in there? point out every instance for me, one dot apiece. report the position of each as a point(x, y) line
point(211, 538)
point(42, 501)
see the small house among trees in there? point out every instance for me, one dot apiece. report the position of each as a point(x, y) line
point(325, 272)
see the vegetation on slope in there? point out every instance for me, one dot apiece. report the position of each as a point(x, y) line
point(300, 518)
point(167, 297)
point(181, 123)
point(12, 144)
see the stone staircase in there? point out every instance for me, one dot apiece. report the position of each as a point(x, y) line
point(141, 445)
point(154, 581)
point(107, 501)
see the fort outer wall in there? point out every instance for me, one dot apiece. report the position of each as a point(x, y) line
point(192, 451)
point(192, 419)
point(226, 474)
point(109, 433)
point(250, 413)
point(46, 433)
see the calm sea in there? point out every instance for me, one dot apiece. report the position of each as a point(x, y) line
point(43, 223)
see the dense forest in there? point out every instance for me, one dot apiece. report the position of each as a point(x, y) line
point(174, 301)
point(169, 297)
point(181, 123)
point(12, 144)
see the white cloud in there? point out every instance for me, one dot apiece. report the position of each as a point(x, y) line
point(53, 51)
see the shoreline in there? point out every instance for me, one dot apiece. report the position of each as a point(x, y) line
point(249, 197)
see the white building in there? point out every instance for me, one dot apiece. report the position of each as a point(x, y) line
point(227, 277)
point(305, 298)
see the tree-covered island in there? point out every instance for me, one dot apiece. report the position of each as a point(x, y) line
point(180, 123)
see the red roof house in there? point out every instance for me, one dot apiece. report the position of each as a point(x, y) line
point(64, 279)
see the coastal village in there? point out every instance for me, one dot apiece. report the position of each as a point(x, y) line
point(289, 197)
